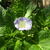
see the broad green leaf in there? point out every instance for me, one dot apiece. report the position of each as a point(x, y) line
point(44, 39)
point(45, 44)
point(45, 33)
point(34, 47)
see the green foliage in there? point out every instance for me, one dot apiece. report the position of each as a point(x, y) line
point(38, 38)
point(18, 45)
point(34, 47)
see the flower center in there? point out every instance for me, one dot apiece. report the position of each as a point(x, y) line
point(22, 24)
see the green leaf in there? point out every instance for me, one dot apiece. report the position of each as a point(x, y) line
point(26, 45)
point(34, 47)
point(18, 45)
point(3, 48)
point(2, 29)
point(43, 34)
point(45, 44)
point(44, 39)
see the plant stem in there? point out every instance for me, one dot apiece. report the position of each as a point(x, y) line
point(31, 7)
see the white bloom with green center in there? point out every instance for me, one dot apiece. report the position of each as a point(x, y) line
point(23, 23)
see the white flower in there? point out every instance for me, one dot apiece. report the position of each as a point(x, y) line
point(23, 23)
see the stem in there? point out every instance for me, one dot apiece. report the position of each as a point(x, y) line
point(28, 13)
point(31, 7)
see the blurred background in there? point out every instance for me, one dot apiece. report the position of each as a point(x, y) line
point(38, 38)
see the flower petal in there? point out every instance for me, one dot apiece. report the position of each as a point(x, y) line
point(23, 23)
